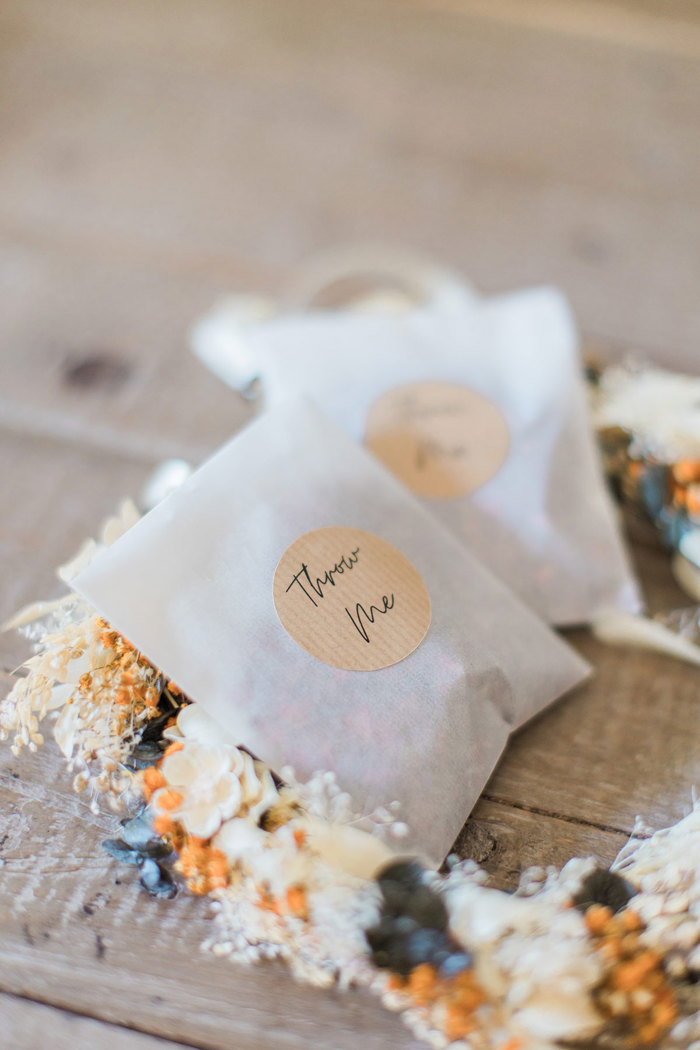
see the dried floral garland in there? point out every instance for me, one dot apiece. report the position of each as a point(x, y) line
point(648, 422)
point(293, 872)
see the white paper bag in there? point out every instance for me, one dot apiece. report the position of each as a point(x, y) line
point(476, 404)
point(214, 588)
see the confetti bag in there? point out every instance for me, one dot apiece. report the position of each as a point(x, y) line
point(477, 405)
point(302, 596)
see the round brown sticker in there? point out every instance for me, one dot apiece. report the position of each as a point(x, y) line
point(442, 440)
point(351, 599)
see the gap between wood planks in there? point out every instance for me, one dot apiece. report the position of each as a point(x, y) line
point(567, 818)
point(149, 1038)
point(77, 1031)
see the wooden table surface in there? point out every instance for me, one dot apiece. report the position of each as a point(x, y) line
point(157, 153)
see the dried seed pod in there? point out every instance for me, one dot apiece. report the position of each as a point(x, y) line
point(606, 888)
point(397, 883)
point(144, 755)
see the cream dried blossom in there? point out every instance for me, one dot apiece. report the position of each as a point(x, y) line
point(203, 787)
point(209, 780)
point(666, 871)
point(312, 913)
point(65, 653)
point(194, 724)
point(99, 690)
point(66, 636)
point(660, 408)
point(533, 958)
point(326, 947)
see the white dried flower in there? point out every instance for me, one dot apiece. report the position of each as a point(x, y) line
point(658, 407)
point(215, 779)
point(206, 780)
point(193, 723)
point(532, 957)
point(666, 869)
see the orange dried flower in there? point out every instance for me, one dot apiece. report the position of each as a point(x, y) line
point(692, 500)
point(458, 1022)
point(164, 826)
point(217, 869)
point(422, 982)
point(203, 867)
point(176, 745)
point(686, 471)
point(267, 902)
point(597, 918)
point(169, 799)
point(634, 989)
point(297, 903)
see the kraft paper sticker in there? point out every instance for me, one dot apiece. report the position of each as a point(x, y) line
point(351, 599)
point(442, 440)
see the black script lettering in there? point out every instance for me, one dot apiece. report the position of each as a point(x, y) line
point(328, 579)
point(426, 449)
point(360, 611)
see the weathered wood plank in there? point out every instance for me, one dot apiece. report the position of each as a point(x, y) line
point(436, 62)
point(77, 932)
point(505, 840)
point(670, 27)
point(96, 351)
point(626, 743)
point(475, 137)
point(26, 1026)
point(55, 495)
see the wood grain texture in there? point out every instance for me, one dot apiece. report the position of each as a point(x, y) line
point(58, 492)
point(77, 933)
point(95, 351)
point(505, 840)
point(233, 139)
point(625, 743)
point(670, 27)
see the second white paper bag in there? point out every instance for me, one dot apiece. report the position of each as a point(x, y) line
point(476, 404)
point(301, 595)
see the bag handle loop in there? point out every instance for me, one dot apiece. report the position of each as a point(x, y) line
point(421, 280)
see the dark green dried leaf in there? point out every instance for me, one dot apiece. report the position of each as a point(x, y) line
point(121, 851)
point(157, 880)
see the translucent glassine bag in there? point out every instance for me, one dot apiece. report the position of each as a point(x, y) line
point(299, 593)
point(476, 404)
